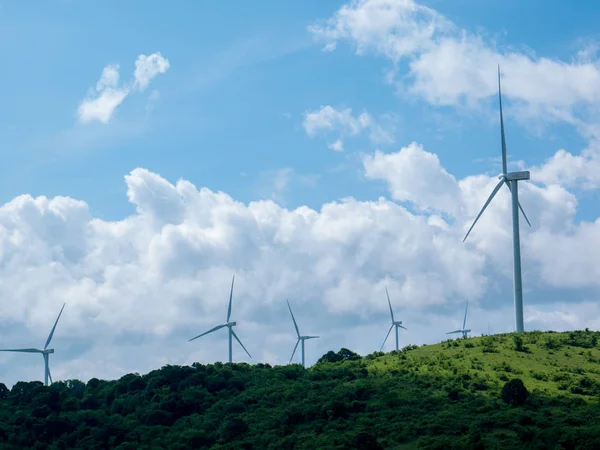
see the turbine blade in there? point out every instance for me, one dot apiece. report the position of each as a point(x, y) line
point(49, 374)
point(240, 342)
point(389, 303)
point(520, 207)
point(312, 337)
point(494, 192)
point(230, 299)
point(454, 332)
point(22, 350)
point(504, 169)
point(386, 337)
point(54, 327)
point(465, 320)
point(295, 324)
point(294, 352)
point(403, 327)
point(206, 332)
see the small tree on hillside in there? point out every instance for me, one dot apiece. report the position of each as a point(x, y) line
point(514, 392)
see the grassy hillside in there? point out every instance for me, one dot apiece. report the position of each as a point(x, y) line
point(444, 396)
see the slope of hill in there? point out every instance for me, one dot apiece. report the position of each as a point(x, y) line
point(443, 396)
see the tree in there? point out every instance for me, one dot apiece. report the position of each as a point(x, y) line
point(514, 392)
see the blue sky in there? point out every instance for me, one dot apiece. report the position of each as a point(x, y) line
point(238, 72)
point(232, 111)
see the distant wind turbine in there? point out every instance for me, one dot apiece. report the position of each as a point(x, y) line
point(229, 325)
point(395, 323)
point(463, 330)
point(300, 338)
point(510, 179)
point(45, 351)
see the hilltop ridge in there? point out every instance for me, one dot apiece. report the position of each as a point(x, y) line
point(443, 396)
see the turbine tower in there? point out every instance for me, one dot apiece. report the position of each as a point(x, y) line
point(510, 179)
point(395, 323)
point(300, 338)
point(463, 330)
point(229, 325)
point(45, 351)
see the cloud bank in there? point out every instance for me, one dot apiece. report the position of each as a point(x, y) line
point(138, 288)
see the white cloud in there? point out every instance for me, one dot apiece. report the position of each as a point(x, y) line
point(101, 103)
point(452, 66)
point(328, 119)
point(107, 96)
point(416, 176)
point(571, 170)
point(138, 288)
point(147, 67)
point(336, 146)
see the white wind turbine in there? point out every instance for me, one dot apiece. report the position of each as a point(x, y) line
point(300, 338)
point(463, 330)
point(45, 351)
point(395, 323)
point(229, 325)
point(510, 179)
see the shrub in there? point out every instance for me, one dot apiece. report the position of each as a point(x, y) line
point(514, 392)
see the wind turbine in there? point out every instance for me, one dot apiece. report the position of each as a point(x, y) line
point(229, 325)
point(395, 323)
point(510, 179)
point(45, 351)
point(300, 338)
point(463, 330)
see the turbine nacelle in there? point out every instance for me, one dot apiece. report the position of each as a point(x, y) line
point(231, 324)
point(517, 176)
point(307, 337)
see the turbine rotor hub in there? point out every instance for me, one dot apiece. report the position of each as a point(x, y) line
point(231, 324)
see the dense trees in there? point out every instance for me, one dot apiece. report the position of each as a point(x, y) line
point(539, 391)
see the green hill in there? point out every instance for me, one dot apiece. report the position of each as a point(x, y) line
point(443, 396)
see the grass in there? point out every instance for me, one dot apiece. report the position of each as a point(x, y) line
point(495, 360)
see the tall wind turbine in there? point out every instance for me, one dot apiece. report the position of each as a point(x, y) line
point(300, 338)
point(510, 179)
point(463, 330)
point(395, 323)
point(229, 325)
point(45, 351)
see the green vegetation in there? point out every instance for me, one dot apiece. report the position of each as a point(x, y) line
point(462, 394)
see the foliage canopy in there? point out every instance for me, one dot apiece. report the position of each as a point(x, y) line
point(460, 394)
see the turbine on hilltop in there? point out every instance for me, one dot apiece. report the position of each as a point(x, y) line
point(510, 179)
point(229, 325)
point(395, 323)
point(300, 338)
point(45, 351)
point(463, 330)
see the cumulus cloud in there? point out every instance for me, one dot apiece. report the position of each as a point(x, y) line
point(452, 66)
point(102, 101)
point(571, 170)
point(341, 121)
point(138, 288)
point(415, 176)
point(147, 67)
